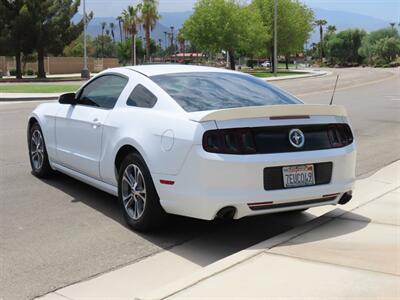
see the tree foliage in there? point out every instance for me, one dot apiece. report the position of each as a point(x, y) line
point(15, 35)
point(381, 46)
point(75, 48)
point(218, 25)
point(295, 23)
point(149, 18)
point(131, 20)
point(103, 46)
point(52, 26)
point(41, 25)
point(342, 48)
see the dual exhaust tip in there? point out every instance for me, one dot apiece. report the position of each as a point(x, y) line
point(346, 197)
point(228, 212)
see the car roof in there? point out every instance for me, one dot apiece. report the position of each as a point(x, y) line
point(160, 69)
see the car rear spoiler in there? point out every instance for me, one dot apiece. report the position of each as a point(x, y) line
point(271, 111)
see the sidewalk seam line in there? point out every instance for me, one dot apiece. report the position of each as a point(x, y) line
point(61, 295)
point(371, 222)
point(332, 264)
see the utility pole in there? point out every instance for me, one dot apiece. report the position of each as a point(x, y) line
point(275, 37)
point(160, 46)
point(85, 71)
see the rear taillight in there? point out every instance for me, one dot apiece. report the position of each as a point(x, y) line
point(229, 141)
point(340, 135)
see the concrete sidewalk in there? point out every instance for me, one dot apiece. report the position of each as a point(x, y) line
point(349, 252)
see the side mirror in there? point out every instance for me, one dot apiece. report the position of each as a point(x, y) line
point(68, 98)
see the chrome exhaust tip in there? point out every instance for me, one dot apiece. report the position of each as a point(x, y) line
point(346, 197)
point(226, 213)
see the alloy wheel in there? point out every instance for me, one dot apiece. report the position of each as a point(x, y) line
point(133, 191)
point(37, 149)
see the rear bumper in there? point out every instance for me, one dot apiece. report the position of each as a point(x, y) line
point(209, 182)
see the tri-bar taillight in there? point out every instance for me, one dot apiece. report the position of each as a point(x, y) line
point(257, 140)
point(229, 141)
point(340, 135)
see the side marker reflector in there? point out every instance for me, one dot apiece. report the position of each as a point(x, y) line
point(168, 182)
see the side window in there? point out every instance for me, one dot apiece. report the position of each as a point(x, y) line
point(141, 97)
point(103, 92)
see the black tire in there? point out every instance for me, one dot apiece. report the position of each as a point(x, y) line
point(152, 215)
point(42, 168)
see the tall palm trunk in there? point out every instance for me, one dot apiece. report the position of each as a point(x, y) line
point(134, 50)
point(147, 43)
point(120, 30)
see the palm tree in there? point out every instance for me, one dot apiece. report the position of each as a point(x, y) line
point(331, 29)
point(321, 23)
point(392, 24)
point(165, 39)
point(149, 17)
point(120, 21)
point(131, 22)
point(181, 41)
point(103, 26)
point(112, 27)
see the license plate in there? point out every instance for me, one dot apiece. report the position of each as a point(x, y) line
point(296, 176)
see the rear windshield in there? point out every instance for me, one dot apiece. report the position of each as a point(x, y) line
point(217, 90)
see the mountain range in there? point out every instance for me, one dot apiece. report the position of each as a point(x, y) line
point(342, 20)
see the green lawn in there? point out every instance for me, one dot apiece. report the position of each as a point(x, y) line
point(38, 88)
point(283, 66)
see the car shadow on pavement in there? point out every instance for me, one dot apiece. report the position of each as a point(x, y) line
point(202, 242)
point(346, 223)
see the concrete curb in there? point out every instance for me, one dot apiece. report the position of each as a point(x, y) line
point(260, 248)
point(38, 98)
point(312, 73)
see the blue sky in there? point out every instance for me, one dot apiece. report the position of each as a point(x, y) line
point(383, 9)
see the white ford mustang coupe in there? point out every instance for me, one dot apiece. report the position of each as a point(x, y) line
point(195, 141)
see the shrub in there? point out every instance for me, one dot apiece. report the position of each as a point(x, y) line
point(13, 72)
point(30, 72)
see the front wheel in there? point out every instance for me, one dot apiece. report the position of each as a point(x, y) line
point(137, 195)
point(37, 152)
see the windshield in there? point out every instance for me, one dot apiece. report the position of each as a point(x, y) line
point(200, 91)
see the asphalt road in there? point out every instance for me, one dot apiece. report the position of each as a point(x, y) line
point(60, 231)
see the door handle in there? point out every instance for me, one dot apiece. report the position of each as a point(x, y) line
point(96, 123)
